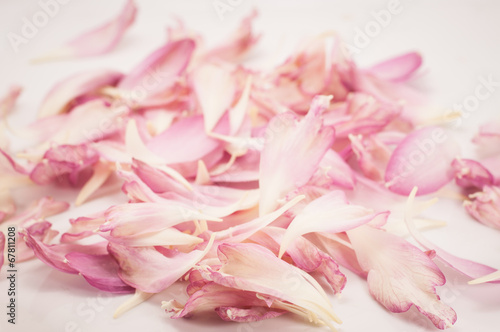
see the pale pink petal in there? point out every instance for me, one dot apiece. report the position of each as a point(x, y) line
point(330, 213)
point(245, 230)
point(102, 171)
point(464, 266)
point(302, 144)
point(88, 119)
point(397, 69)
point(339, 248)
point(484, 206)
point(54, 255)
point(422, 159)
point(361, 114)
point(100, 271)
point(470, 173)
point(7, 205)
point(211, 297)
point(197, 145)
point(488, 138)
point(400, 275)
point(161, 271)
point(305, 255)
point(139, 218)
point(164, 237)
point(82, 227)
point(64, 163)
point(372, 154)
point(159, 71)
point(334, 171)
point(99, 40)
point(7, 102)
point(238, 44)
point(242, 266)
point(215, 88)
point(62, 96)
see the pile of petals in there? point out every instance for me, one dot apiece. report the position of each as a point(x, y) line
point(255, 188)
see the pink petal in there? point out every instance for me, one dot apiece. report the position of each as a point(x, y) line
point(100, 271)
point(88, 117)
point(464, 266)
point(140, 218)
point(54, 255)
point(64, 161)
point(215, 88)
point(361, 114)
point(99, 40)
point(62, 96)
point(238, 44)
point(422, 159)
point(242, 266)
point(305, 255)
point(7, 102)
point(159, 71)
point(397, 69)
point(245, 230)
point(488, 138)
point(160, 272)
point(196, 144)
point(333, 170)
point(211, 297)
point(484, 206)
point(372, 154)
point(470, 173)
point(400, 275)
point(330, 213)
point(302, 144)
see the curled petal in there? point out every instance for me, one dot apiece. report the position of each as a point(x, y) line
point(422, 159)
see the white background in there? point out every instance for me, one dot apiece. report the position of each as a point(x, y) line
point(459, 42)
